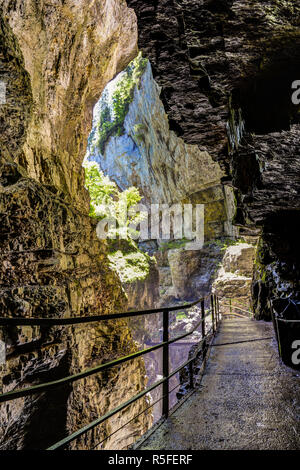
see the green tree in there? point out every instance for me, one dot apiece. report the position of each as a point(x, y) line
point(110, 203)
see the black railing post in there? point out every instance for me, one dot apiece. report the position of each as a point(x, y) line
point(191, 373)
point(12, 395)
point(203, 318)
point(212, 312)
point(216, 310)
point(165, 410)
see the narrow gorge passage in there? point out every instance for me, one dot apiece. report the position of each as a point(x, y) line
point(149, 159)
point(133, 155)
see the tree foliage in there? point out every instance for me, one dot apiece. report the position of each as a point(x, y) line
point(108, 202)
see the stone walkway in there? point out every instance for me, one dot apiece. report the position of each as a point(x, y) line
point(247, 398)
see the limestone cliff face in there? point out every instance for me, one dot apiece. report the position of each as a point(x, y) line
point(193, 272)
point(55, 59)
point(153, 158)
point(226, 70)
point(165, 169)
point(144, 294)
point(234, 278)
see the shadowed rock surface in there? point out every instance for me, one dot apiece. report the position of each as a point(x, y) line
point(234, 278)
point(226, 69)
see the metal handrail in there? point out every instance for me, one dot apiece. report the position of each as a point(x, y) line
point(23, 321)
point(287, 321)
point(96, 422)
point(238, 308)
point(81, 375)
point(234, 306)
point(214, 311)
point(275, 320)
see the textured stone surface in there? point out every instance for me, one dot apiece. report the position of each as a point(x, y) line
point(267, 173)
point(70, 51)
point(234, 278)
point(166, 35)
point(183, 264)
point(215, 46)
point(55, 59)
point(152, 157)
point(165, 278)
point(226, 69)
point(269, 198)
point(165, 169)
point(189, 274)
point(239, 259)
point(144, 294)
point(276, 271)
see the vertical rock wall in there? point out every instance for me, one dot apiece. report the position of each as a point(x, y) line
point(55, 59)
point(153, 158)
point(233, 281)
point(226, 70)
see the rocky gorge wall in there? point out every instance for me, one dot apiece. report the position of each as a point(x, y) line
point(234, 279)
point(225, 69)
point(146, 154)
point(269, 197)
point(55, 59)
point(218, 66)
point(150, 156)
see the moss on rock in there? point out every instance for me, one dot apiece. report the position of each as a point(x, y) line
point(112, 118)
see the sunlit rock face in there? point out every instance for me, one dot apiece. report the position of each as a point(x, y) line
point(70, 50)
point(151, 156)
point(55, 59)
point(166, 169)
point(226, 69)
point(234, 278)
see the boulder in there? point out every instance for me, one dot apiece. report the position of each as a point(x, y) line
point(239, 259)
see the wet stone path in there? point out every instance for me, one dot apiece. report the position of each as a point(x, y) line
point(247, 399)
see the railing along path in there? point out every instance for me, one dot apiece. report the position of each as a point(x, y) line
point(214, 311)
